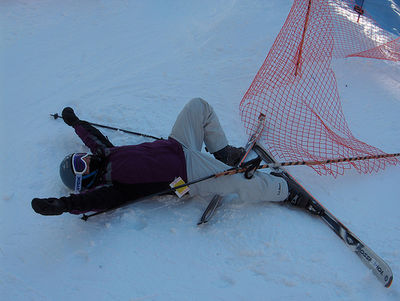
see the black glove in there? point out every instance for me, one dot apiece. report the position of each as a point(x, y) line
point(50, 206)
point(69, 116)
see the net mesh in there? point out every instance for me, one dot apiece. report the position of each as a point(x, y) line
point(296, 87)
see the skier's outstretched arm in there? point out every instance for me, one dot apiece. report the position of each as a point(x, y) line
point(110, 196)
point(90, 136)
point(100, 198)
point(96, 199)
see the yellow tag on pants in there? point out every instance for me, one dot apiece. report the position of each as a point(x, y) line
point(180, 191)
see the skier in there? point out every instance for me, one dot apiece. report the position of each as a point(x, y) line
point(111, 175)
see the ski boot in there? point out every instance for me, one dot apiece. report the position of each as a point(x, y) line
point(230, 155)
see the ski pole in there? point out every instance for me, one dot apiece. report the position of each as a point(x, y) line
point(231, 171)
point(172, 189)
point(341, 160)
point(247, 167)
point(359, 9)
point(56, 115)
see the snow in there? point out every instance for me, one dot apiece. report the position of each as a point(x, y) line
point(134, 64)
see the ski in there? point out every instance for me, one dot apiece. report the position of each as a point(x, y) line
point(214, 203)
point(253, 138)
point(210, 210)
point(377, 265)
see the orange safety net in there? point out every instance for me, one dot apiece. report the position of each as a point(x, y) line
point(296, 87)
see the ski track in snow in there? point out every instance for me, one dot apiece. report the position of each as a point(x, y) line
point(134, 65)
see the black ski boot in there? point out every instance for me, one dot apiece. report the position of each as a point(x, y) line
point(50, 206)
point(230, 155)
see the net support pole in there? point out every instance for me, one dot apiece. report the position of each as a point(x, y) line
point(300, 51)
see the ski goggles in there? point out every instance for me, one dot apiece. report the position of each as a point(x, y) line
point(79, 166)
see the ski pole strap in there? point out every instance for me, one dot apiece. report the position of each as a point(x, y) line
point(330, 161)
point(248, 168)
point(252, 167)
point(56, 116)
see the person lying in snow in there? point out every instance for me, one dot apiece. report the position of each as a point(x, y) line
point(112, 175)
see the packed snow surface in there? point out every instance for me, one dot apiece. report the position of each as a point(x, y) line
point(134, 64)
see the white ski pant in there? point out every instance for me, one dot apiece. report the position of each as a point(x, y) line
point(198, 123)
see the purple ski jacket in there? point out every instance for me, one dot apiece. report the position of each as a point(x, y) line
point(158, 161)
point(127, 172)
